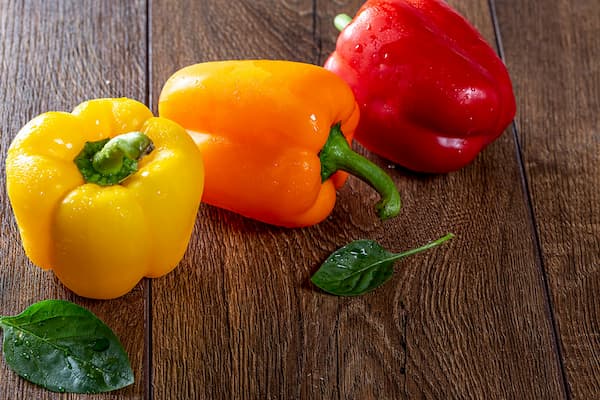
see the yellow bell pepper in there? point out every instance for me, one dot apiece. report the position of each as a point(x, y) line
point(104, 213)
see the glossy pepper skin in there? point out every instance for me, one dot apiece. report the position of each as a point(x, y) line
point(261, 126)
point(432, 93)
point(100, 240)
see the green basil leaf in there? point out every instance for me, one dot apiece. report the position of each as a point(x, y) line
point(361, 266)
point(354, 269)
point(65, 348)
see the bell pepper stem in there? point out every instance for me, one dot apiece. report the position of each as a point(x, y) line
point(110, 161)
point(338, 155)
point(341, 21)
point(130, 145)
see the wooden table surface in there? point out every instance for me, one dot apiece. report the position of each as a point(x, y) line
point(509, 309)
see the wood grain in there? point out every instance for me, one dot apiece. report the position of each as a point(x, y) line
point(250, 327)
point(505, 310)
point(553, 51)
point(53, 56)
point(452, 323)
point(467, 329)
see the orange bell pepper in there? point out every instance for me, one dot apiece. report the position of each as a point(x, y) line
point(270, 134)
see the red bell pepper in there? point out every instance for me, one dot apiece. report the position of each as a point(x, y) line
point(431, 92)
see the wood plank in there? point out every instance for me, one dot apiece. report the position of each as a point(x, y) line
point(248, 327)
point(55, 55)
point(554, 53)
point(468, 319)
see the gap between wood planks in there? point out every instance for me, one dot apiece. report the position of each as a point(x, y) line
point(533, 223)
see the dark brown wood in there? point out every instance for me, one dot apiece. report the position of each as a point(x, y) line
point(250, 326)
point(452, 323)
point(553, 52)
point(54, 55)
point(468, 330)
point(507, 309)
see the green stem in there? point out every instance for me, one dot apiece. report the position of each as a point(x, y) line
point(108, 162)
point(424, 247)
point(131, 145)
point(337, 155)
point(341, 21)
